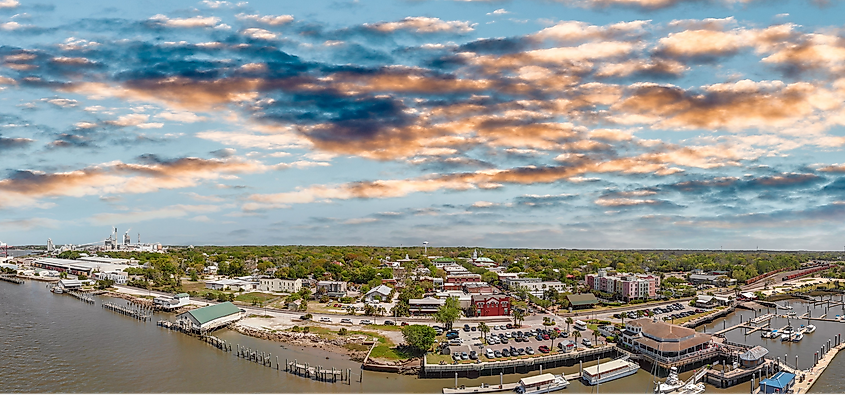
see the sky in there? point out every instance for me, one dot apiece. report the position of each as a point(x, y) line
point(688, 124)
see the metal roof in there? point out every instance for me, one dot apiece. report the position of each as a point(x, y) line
point(779, 380)
point(181, 295)
point(754, 353)
point(615, 364)
point(213, 312)
point(582, 299)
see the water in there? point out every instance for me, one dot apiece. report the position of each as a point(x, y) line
point(55, 343)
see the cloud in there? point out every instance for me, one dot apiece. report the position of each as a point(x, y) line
point(173, 211)
point(139, 120)
point(26, 187)
point(421, 24)
point(197, 21)
point(9, 3)
point(259, 34)
point(248, 140)
point(8, 143)
point(30, 223)
point(181, 116)
point(272, 20)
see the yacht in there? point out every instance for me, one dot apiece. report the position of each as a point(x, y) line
point(541, 384)
point(672, 382)
point(797, 337)
point(786, 334)
point(609, 371)
point(810, 328)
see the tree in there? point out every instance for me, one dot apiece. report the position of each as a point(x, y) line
point(484, 329)
point(518, 312)
point(552, 336)
point(448, 313)
point(576, 334)
point(490, 278)
point(568, 321)
point(420, 337)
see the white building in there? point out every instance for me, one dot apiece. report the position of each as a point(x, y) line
point(234, 285)
point(172, 302)
point(279, 285)
point(380, 293)
point(117, 277)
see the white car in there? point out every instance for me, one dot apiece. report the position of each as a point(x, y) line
point(325, 319)
point(366, 322)
point(489, 353)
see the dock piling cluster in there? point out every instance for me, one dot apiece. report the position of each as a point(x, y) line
point(11, 279)
point(138, 313)
point(86, 297)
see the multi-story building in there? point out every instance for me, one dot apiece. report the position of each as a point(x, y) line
point(463, 278)
point(628, 286)
point(539, 289)
point(491, 305)
point(424, 306)
point(661, 341)
point(280, 285)
point(511, 283)
point(334, 289)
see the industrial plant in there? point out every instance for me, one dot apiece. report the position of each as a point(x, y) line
point(111, 243)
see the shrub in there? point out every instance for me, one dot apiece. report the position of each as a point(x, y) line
point(342, 332)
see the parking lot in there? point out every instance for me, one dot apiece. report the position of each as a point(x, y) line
point(504, 341)
point(666, 313)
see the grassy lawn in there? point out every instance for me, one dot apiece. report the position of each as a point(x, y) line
point(393, 328)
point(196, 286)
point(251, 296)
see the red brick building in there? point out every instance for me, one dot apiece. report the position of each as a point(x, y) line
point(463, 278)
point(491, 305)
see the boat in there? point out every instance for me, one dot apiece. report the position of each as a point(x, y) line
point(797, 337)
point(541, 384)
point(766, 334)
point(57, 290)
point(810, 328)
point(609, 371)
point(484, 388)
point(691, 389)
point(786, 334)
point(672, 382)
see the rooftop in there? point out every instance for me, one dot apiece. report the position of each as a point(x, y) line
point(213, 312)
point(754, 353)
point(582, 299)
point(662, 330)
point(779, 380)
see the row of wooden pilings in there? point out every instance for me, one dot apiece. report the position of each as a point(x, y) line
point(320, 373)
point(220, 344)
point(11, 279)
point(83, 296)
point(138, 313)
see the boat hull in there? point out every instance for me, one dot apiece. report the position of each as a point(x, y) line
point(605, 378)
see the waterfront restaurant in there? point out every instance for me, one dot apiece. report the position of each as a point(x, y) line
point(663, 341)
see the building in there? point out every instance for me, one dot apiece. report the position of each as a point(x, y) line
point(626, 286)
point(117, 277)
point(539, 288)
point(753, 357)
point(663, 341)
point(452, 287)
point(78, 267)
point(463, 278)
point(70, 285)
point(780, 383)
point(232, 285)
point(279, 285)
point(380, 293)
point(210, 317)
point(106, 260)
point(709, 302)
point(478, 288)
point(719, 280)
point(425, 306)
point(334, 289)
point(513, 282)
point(464, 300)
point(172, 302)
point(491, 305)
point(455, 270)
point(507, 276)
point(582, 301)
point(443, 262)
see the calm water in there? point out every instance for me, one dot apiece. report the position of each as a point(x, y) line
point(55, 343)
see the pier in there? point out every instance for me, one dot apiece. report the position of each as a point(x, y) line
point(318, 372)
point(83, 296)
point(138, 313)
point(521, 366)
point(11, 279)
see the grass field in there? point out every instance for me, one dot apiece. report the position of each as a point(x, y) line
point(195, 286)
point(254, 296)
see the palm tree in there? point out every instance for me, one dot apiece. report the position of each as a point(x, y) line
point(568, 322)
point(484, 329)
point(576, 334)
point(552, 336)
point(518, 316)
point(596, 338)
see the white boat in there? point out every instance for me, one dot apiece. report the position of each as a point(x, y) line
point(786, 334)
point(672, 382)
point(810, 328)
point(57, 290)
point(605, 372)
point(541, 384)
point(691, 389)
point(797, 337)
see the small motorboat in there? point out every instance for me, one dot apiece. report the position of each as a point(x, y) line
point(810, 328)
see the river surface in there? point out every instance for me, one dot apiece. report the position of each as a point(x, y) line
point(54, 343)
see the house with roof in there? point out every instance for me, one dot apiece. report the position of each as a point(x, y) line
point(753, 357)
point(172, 302)
point(425, 306)
point(211, 317)
point(780, 383)
point(380, 293)
point(70, 285)
point(334, 289)
point(709, 302)
point(660, 340)
point(582, 301)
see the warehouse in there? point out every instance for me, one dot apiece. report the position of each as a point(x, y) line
point(211, 317)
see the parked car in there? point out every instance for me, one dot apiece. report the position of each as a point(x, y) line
point(389, 322)
point(404, 323)
point(586, 343)
point(509, 326)
point(529, 350)
point(543, 349)
point(497, 354)
point(325, 319)
point(473, 355)
point(506, 353)
point(464, 355)
point(304, 317)
point(505, 340)
point(345, 321)
point(456, 356)
point(490, 354)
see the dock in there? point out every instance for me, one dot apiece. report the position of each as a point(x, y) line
point(83, 296)
point(11, 279)
point(519, 365)
point(318, 372)
point(509, 387)
point(138, 313)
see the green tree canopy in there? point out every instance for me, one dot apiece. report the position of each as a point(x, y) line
point(420, 337)
point(448, 313)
